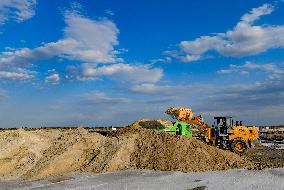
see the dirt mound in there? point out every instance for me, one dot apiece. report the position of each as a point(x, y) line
point(51, 152)
point(162, 151)
point(151, 123)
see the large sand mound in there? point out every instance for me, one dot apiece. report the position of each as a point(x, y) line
point(49, 152)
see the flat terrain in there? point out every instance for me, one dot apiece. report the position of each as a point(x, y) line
point(231, 179)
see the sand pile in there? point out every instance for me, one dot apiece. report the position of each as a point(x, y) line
point(151, 123)
point(162, 151)
point(49, 152)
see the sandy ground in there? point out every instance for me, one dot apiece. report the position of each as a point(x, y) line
point(230, 179)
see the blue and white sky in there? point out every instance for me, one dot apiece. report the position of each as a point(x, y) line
point(107, 62)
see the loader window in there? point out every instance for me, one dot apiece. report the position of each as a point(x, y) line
point(228, 122)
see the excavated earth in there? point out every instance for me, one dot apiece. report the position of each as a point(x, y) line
point(41, 153)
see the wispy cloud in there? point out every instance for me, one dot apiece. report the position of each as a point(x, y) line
point(249, 97)
point(258, 98)
point(97, 97)
point(149, 88)
point(120, 71)
point(17, 74)
point(18, 10)
point(243, 40)
point(109, 12)
point(273, 70)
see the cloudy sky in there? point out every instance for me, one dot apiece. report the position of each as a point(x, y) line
point(107, 62)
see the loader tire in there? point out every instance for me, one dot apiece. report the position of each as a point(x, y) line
point(239, 146)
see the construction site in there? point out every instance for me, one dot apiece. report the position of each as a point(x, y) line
point(141, 95)
point(187, 145)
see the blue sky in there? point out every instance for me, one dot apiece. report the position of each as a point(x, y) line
point(112, 62)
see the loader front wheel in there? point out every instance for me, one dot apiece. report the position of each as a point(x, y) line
point(239, 146)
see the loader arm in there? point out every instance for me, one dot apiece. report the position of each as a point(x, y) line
point(186, 115)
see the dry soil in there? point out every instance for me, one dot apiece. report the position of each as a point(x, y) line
point(41, 153)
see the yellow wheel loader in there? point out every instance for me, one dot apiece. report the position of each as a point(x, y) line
point(224, 133)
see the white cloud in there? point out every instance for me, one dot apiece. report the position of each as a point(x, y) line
point(161, 60)
point(18, 10)
point(84, 40)
point(245, 39)
point(53, 77)
point(120, 71)
point(272, 69)
point(189, 58)
point(17, 74)
point(255, 13)
point(95, 39)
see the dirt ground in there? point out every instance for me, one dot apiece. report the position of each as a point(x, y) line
point(41, 153)
point(266, 157)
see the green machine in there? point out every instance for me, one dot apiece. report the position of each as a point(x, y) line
point(178, 128)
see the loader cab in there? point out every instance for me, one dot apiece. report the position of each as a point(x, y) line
point(221, 126)
point(223, 121)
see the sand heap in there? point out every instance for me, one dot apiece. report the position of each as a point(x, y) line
point(151, 123)
point(48, 152)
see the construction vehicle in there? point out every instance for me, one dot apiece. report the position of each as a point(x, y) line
point(176, 128)
point(224, 134)
point(179, 128)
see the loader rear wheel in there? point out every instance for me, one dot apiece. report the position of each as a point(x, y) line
point(239, 146)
